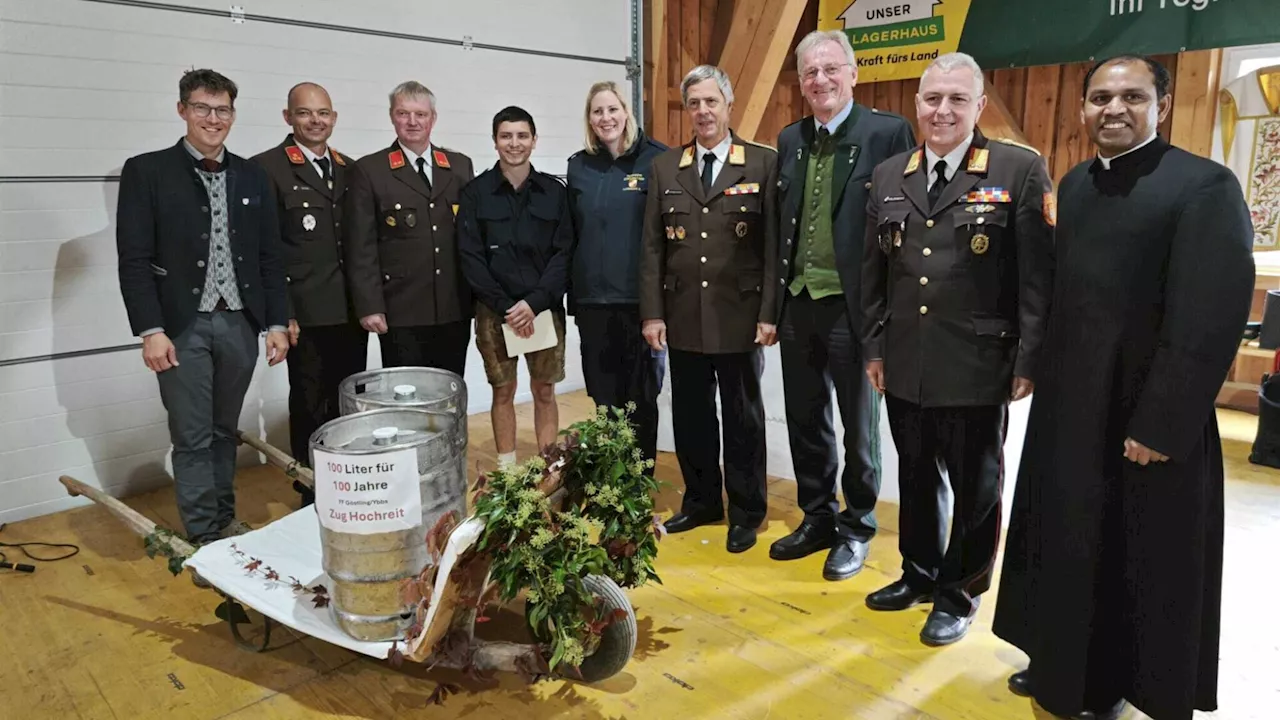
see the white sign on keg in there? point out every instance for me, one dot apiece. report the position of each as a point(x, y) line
point(370, 494)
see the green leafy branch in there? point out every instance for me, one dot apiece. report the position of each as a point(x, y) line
point(602, 525)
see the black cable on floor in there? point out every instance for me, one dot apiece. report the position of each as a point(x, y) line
point(22, 547)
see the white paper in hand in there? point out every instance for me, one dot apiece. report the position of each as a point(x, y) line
point(543, 337)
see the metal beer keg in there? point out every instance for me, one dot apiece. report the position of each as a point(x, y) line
point(366, 568)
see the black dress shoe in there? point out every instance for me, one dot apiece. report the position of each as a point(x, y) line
point(896, 596)
point(740, 539)
point(681, 522)
point(845, 559)
point(943, 628)
point(1020, 683)
point(804, 541)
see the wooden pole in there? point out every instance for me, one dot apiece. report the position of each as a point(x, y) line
point(135, 520)
point(280, 459)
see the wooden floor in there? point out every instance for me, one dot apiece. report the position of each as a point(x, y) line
point(110, 634)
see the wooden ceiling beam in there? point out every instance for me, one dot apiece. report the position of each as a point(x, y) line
point(757, 42)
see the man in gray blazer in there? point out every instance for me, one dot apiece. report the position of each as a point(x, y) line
point(825, 162)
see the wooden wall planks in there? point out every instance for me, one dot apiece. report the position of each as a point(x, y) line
point(1046, 100)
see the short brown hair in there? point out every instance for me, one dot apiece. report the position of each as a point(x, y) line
point(207, 80)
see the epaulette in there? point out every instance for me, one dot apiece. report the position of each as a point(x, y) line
point(760, 145)
point(580, 152)
point(1007, 141)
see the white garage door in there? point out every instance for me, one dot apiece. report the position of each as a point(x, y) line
point(85, 84)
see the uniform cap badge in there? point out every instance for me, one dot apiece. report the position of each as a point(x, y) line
point(308, 222)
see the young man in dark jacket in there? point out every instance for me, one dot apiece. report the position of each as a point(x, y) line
point(514, 239)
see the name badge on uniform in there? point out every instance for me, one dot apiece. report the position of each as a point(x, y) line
point(634, 182)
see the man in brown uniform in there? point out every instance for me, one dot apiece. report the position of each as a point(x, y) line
point(708, 285)
point(956, 283)
point(308, 180)
point(405, 279)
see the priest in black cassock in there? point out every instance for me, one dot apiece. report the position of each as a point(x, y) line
point(1112, 577)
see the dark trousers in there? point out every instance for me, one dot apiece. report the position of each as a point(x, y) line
point(438, 346)
point(322, 359)
point(619, 367)
point(968, 443)
point(820, 353)
point(694, 378)
point(203, 395)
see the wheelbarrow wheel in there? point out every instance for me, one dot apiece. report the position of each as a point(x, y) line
point(618, 641)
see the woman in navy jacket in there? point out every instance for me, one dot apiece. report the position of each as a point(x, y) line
point(608, 184)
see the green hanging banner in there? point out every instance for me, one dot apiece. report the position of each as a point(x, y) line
point(896, 39)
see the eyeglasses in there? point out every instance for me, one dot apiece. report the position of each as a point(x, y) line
point(830, 71)
point(201, 110)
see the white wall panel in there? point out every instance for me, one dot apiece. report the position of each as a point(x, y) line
point(84, 85)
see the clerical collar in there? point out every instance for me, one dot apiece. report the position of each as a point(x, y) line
point(1106, 162)
point(721, 151)
point(953, 158)
point(835, 122)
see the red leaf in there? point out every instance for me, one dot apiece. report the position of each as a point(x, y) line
point(442, 691)
point(253, 565)
point(273, 575)
point(394, 656)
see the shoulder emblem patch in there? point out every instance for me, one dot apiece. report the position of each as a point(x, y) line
point(337, 156)
point(442, 160)
point(687, 158)
point(1050, 209)
point(737, 154)
point(914, 163)
point(295, 155)
point(396, 158)
point(978, 160)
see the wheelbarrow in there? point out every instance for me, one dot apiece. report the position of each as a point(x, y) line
point(238, 569)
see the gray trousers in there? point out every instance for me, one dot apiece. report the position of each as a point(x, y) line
point(203, 395)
